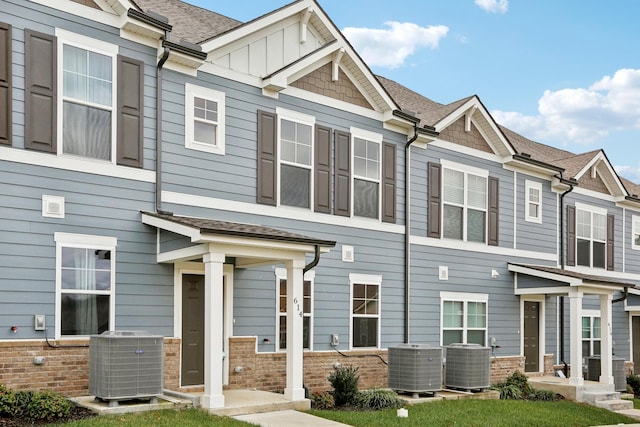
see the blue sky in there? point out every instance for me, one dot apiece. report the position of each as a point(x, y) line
point(564, 73)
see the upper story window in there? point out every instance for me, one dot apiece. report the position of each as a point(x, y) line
point(591, 234)
point(533, 201)
point(365, 310)
point(85, 282)
point(88, 94)
point(204, 119)
point(464, 204)
point(635, 232)
point(366, 173)
point(296, 158)
point(464, 318)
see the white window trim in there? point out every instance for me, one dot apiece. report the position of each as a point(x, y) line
point(369, 279)
point(465, 298)
point(527, 187)
point(68, 240)
point(635, 219)
point(448, 164)
point(94, 45)
point(372, 137)
point(305, 119)
point(591, 314)
point(309, 276)
point(592, 210)
point(192, 91)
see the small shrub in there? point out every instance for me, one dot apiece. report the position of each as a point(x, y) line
point(47, 405)
point(510, 392)
point(344, 381)
point(379, 399)
point(23, 398)
point(7, 402)
point(322, 400)
point(633, 381)
point(520, 380)
point(543, 395)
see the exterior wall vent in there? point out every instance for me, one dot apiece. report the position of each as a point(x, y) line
point(443, 272)
point(52, 206)
point(125, 365)
point(415, 368)
point(347, 253)
point(467, 367)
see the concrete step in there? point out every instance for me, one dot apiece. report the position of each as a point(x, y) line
point(631, 413)
point(591, 397)
point(615, 404)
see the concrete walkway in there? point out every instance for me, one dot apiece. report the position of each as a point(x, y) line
point(288, 418)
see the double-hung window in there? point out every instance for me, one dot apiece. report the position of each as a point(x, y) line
point(296, 158)
point(204, 119)
point(307, 308)
point(591, 235)
point(635, 232)
point(88, 92)
point(533, 205)
point(464, 318)
point(85, 279)
point(366, 173)
point(591, 335)
point(464, 200)
point(365, 310)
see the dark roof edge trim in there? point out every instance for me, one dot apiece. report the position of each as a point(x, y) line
point(151, 20)
point(535, 162)
point(310, 241)
point(186, 50)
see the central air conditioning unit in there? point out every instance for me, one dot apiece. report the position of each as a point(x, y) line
point(619, 372)
point(467, 367)
point(415, 368)
point(125, 365)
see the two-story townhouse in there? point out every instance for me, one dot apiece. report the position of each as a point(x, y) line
point(546, 237)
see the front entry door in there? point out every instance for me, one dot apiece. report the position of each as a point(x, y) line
point(635, 336)
point(192, 329)
point(532, 336)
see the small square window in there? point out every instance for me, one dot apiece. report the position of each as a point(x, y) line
point(204, 119)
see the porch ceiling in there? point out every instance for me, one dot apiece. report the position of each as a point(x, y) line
point(566, 279)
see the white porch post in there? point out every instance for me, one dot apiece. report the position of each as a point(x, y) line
point(606, 344)
point(294, 389)
point(575, 337)
point(213, 309)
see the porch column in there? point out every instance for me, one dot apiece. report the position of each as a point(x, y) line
point(294, 389)
point(575, 337)
point(606, 344)
point(213, 309)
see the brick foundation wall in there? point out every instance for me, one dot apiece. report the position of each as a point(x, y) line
point(65, 369)
point(502, 367)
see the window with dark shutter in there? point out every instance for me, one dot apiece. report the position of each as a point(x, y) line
point(342, 183)
point(389, 183)
point(494, 211)
point(40, 91)
point(322, 169)
point(435, 200)
point(267, 155)
point(130, 114)
point(571, 235)
point(610, 242)
point(5, 84)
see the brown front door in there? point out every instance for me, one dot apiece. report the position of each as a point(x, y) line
point(192, 329)
point(531, 336)
point(635, 336)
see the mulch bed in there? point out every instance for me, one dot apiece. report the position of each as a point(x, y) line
point(77, 413)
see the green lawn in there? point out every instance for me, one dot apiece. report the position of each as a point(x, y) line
point(483, 413)
point(165, 418)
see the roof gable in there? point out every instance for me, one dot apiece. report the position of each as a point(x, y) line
point(599, 174)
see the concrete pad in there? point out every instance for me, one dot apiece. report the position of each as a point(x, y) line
point(287, 418)
point(101, 407)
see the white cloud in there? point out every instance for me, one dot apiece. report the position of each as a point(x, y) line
point(582, 115)
point(493, 6)
point(629, 172)
point(389, 48)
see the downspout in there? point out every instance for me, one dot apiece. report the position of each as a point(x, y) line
point(407, 230)
point(163, 59)
point(313, 263)
point(565, 369)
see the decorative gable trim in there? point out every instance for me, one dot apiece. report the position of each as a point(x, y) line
point(600, 167)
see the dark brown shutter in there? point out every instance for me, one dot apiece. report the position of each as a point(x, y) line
point(5, 84)
point(494, 211)
point(610, 241)
point(322, 169)
point(41, 92)
point(130, 115)
point(342, 174)
point(571, 235)
point(388, 182)
point(267, 156)
point(434, 220)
